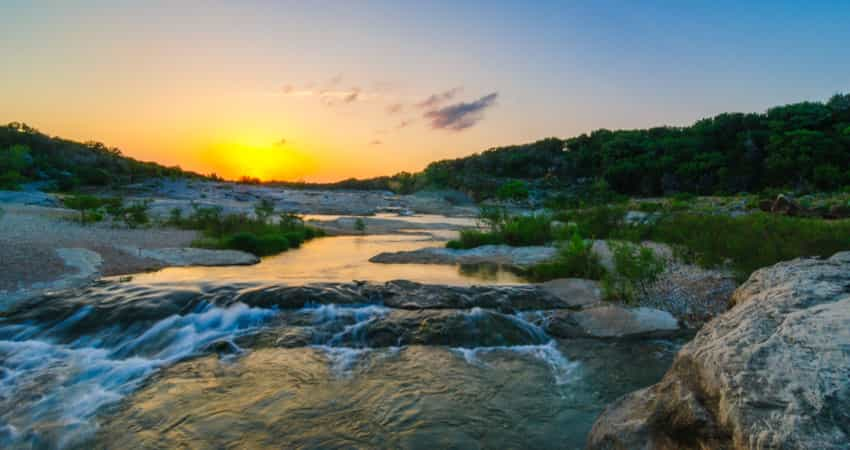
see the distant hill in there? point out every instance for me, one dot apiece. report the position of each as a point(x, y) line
point(29, 155)
point(801, 145)
point(798, 146)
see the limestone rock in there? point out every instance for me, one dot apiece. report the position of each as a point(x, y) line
point(576, 292)
point(611, 321)
point(772, 372)
point(518, 257)
point(189, 256)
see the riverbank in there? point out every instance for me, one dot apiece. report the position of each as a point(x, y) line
point(41, 244)
point(31, 235)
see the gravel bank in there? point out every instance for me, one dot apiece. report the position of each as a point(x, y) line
point(30, 236)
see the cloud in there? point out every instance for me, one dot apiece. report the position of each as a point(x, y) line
point(435, 100)
point(460, 116)
point(395, 108)
point(404, 123)
point(352, 96)
point(376, 142)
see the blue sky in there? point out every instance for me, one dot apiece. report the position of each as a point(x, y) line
point(208, 76)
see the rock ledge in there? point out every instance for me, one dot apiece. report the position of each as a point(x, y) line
point(773, 372)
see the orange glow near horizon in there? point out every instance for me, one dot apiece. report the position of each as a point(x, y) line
point(280, 161)
point(297, 91)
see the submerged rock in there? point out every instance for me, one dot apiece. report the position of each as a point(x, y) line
point(518, 257)
point(576, 292)
point(772, 372)
point(611, 321)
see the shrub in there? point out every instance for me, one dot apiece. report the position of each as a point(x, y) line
point(67, 183)
point(264, 209)
point(527, 230)
point(136, 213)
point(751, 241)
point(11, 180)
point(258, 245)
point(86, 205)
point(93, 176)
point(14, 161)
point(600, 222)
point(635, 269)
point(502, 228)
point(575, 258)
point(650, 207)
point(175, 216)
point(513, 190)
point(241, 232)
point(295, 238)
point(289, 220)
point(474, 238)
point(360, 225)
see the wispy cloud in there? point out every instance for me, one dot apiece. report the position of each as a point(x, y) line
point(460, 116)
point(435, 100)
point(405, 123)
point(352, 96)
point(395, 108)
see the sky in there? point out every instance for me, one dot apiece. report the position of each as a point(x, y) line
point(327, 90)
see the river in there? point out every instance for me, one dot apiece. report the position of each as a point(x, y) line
point(213, 358)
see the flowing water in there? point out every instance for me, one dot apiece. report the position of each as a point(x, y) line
point(219, 358)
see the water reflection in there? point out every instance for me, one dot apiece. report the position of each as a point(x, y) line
point(343, 259)
point(410, 397)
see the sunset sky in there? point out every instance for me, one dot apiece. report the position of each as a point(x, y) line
point(321, 91)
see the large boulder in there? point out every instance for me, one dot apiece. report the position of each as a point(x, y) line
point(773, 372)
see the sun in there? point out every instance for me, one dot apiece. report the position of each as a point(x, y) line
point(281, 160)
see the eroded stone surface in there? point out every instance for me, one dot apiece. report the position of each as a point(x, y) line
point(773, 372)
point(518, 257)
point(611, 321)
point(189, 256)
point(576, 292)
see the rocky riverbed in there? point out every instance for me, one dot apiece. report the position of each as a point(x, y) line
point(71, 355)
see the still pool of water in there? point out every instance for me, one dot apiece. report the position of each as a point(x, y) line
point(342, 259)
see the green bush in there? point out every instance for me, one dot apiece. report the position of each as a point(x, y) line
point(502, 228)
point(650, 207)
point(258, 245)
point(475, 238)
point(94, 176)
point(513, 190)
point(360, 225)
point(751, 241)
point(635, 269)
point(87, 205)
point(67, 183)
point(599, 222)
point(136, 213)
point(11, 180)
point(575, 259)
point(241, 232)
point(175, 216)
point(527, 230)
